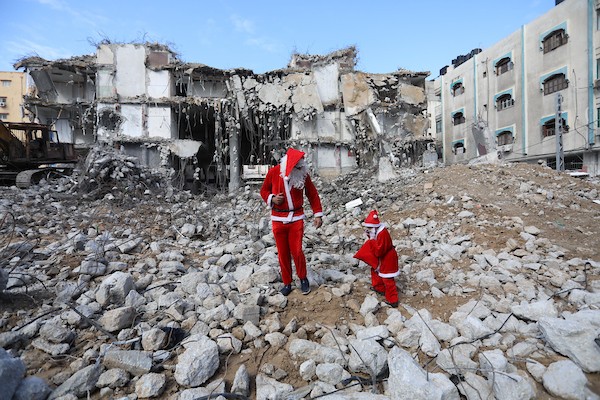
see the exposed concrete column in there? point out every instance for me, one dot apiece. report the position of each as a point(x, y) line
point(234, 159)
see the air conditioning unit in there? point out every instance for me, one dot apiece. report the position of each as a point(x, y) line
point(2, 103)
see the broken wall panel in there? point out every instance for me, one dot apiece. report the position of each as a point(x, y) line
point(159, 123)
point(356, 93)
point(326, 127)
point(64, 130)
point(151, 156)
point(306, 100)
point(413, 95)
point(105, 55)
point(159, 84)
point(130, 71)
point(105, 84)
point(327, 78)
point(332, 160)
point(133, 120)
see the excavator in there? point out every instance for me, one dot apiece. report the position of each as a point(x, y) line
point(30, 151)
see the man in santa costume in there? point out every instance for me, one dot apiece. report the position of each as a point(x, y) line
point(379, 252)
point(283, 190)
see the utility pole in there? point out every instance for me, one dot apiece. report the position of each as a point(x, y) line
point(560, 155)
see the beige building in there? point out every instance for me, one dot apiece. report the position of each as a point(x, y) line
point(505, 100)
point(13, 86)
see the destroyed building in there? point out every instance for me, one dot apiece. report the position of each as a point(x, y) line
point(206, 127)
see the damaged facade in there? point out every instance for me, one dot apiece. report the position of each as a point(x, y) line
point(511, 100)
point(201, 125)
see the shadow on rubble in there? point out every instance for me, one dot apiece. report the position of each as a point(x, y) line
point(12, 302)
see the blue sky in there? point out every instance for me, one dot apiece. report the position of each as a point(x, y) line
point(419, 35)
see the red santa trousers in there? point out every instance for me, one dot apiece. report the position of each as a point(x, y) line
point(288, 238)
point(385, 285)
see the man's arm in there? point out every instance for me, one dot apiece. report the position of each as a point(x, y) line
point(314, 200)
point(265, 190)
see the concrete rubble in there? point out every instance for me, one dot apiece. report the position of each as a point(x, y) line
point(118, 287)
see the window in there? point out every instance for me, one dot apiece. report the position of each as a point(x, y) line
point(458, 148)
point(549, 127)
point(5, 83)
point(438, 125)
point(504, 65)
point(2, 101)
point(458, 118)
point(598, 117)
point(457, 89)
point(555, 83)
point(554, 40)
point(571, 163)
point(504, 101)
point(504, 138)
point(3, 117)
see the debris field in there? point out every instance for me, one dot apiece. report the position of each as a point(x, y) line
point(115, 285)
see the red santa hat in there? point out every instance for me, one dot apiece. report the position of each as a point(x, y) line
point(372, 220)
point(292, 157)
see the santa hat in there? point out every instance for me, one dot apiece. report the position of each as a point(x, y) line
point(372, 220)
point(292, 157)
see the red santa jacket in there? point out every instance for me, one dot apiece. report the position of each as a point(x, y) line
point(292, 208)
point(380, 254)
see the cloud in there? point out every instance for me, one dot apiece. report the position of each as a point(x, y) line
point(25, 48)
point(265, 44)
point(56, 4)
point(85, 18)
point(247, 27)
point(242, 24)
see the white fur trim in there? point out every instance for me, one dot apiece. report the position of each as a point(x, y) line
point(371, 225)
point(288, 197)
point(269, 203)
point(282, 167)
point(391, 275)
point(287, 220)
point(319, 214)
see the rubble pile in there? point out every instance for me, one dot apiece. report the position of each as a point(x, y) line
point(177, 296)
point(107, 170)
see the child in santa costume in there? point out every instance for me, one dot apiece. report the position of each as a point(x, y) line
point(283, 191)
point(379, 252)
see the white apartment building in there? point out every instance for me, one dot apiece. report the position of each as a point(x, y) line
point(507, 98)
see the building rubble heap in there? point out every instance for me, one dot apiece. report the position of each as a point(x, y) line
point(174, 296)
point(105, 170)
